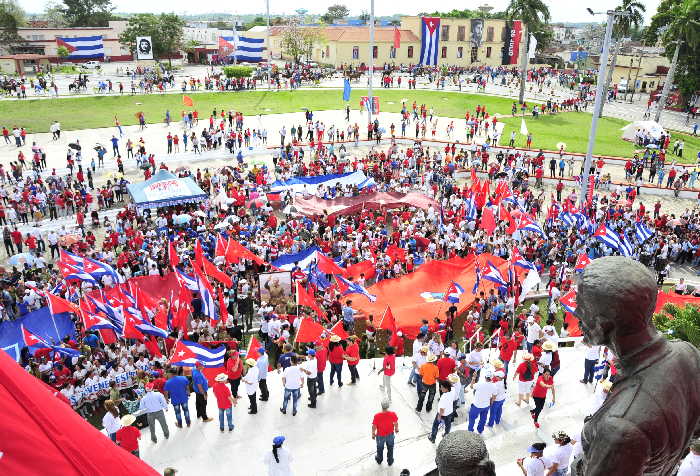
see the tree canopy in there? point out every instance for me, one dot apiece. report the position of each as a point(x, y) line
point(87, 12)
point(535, 14)
point(335, 12)
point(11, 17)
point(165, 30)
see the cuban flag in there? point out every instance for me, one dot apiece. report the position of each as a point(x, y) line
point(470, 209)
point(518, 260)
point(114, 314)
point(430, 37)
point(567, 219)
point(34, 341)
point(491, 273)
point(84, 47)
point(186, 280)
point(207, 294)
point(625, 248)
point(75, 274)
point(477, 282)
point(95, 321)
point(527, 224)
point(350, 287)
point(568, 301)
point(582, 260)
point(302, 259)
point(70, 258)
point(97, 269)
point(607, 236)
point(187, 354)
point(643, 232)
point(249, 50)
point(454, 291)
point(316, 277)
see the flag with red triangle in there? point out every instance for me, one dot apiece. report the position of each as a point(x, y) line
point(327, 265)
point(211, 270)
point(582, 260)
point(253, 346)
point(568, 301)
point(58, 305)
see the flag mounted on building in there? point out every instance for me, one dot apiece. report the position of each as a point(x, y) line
point(84, 47)
point(244, 49)
point(397, 38)
point(430, 37)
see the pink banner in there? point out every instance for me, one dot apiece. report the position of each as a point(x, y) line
point(346, 206)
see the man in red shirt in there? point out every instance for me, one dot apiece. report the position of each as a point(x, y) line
point(384, 425)
point(234, 370)
point(225, 401)
point(446, 365)
point(128, 436)
point(352, 355)
point(321, 361)
point(16, 236)
point(388, 368)
point(508, 346)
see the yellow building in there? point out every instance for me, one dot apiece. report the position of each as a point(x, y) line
point(463, 42)
point(650, 71)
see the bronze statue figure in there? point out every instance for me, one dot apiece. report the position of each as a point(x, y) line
point(653, 410)
point(463, 453)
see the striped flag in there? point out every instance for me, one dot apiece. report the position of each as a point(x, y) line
point(430, 36)
point(187, 354)
point(643, 232)
point(607, 236)
point(83, 47)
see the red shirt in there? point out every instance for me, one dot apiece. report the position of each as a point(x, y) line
point(321, 359)
point(384, 421)
point(222, 392)
point(234, 368)
point(128, 438)
point(389, 366)
point(353, 350)
point(445, 367)
point(508, 346)
point(336, 355)
point(522, 368)
point(539, 391)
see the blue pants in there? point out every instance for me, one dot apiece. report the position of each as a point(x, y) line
point(447, 419)
point(480, 413)
point(229, 418)
point(185, 410)
point(387, 440)
point(588, 370)
point(495, 412)
point(319, 382)
point(413, 377)
point(294, 394)
point(337, 369)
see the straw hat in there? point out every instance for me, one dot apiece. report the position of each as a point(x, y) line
point(432, 358)
point(127, 420)
point(335, 339)
point(425, 348)
point(549, 345)
point(222, 377)
point(528, 357)
point(250, 361)
point(497, 364)
point(607, 385)
point(453, 378)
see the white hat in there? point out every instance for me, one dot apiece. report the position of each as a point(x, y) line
point(222, 377)
point(530, 320)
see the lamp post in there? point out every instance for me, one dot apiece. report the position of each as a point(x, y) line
point(370, 99)
point(269, 48)
point(598, 105)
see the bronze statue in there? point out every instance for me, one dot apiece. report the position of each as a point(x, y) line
point(653, 409)
point(463, 453)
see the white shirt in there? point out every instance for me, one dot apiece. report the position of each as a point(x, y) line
point(475, 356)
point(446, 403)
point(533, 332)
point(690, 466)
point(593, 352)
point(251, 380)
point(283, 468)
point(536, 466)
point(292, 376)
point(111, 423)
point(500, 385)
point(311, 366)
point(483, 391)
point(559, 454)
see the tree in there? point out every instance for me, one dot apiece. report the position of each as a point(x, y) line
point(297, 41)
point(11, 18)
point(87, 12)
point(238, 71)
point(622, 28)
point(62, 52)
point(165, 30)
point(677, 25)
point(535, 16)
point(364, 17)
point(679, 323)
point(257, 21)
point(335, 12)
point(53, 14)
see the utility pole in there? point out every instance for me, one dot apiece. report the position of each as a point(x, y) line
point(370, 99)
point(600, 90)
point(629, 77)
point(636, 74)
point(661, 103)
point(269, 48)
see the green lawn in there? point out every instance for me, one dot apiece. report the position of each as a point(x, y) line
point(99, 111)
point(573, 128)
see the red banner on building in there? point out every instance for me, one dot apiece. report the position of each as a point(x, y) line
point(514, 32)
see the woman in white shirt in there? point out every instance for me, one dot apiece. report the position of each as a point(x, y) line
point(278, 460)
point(110, 421)
point(559, 454)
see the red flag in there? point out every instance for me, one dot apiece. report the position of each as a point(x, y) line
point(485, 189)
point(309, 330)
point(221, 246)
point(187, 101)
point(152, 347)
point(108, 336)
point(130, 330)
point(211, 270)
point(161, 318)
point(338, 330)
point(363, 267)
point(172, 255)
point(397, 38)
point(58, 305)
point(327, 265)
point(235, 251)
point(582, 261)
point(223, 308)
point(396, 253)
point(388, 322)
point(504, 214)
point(306, 299)
point(488, 221)
point(198, 252)
point(253, 346)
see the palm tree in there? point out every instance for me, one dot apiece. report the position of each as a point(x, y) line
point(684, 27)
point(623, 27)
point(535, 15)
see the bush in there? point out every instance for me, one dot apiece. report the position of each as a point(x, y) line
point(680, 323)
point(238, 71)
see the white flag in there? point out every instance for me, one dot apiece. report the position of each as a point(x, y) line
point(529, 283)
point(523, 127)
point(533, 46)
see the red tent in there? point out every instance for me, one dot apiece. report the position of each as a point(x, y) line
point(41, 434)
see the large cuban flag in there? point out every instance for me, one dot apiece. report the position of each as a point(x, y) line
point(310, 184)
point(249, 50)
point(429, 40)
point(84, 47)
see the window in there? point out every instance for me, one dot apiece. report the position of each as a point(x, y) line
point(445, 34)
point(503, 35)
point(392, 52)
point(375, 52)
point(443, 53)
point(488, 51)
point(460, 33)
point(410, 52)
point(489, 34)
point(460, 52)
point(651, 84)
point(475, 54)
point(355, 52)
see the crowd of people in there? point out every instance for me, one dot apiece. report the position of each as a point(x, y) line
point(458, 361)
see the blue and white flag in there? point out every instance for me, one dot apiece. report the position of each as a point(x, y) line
point(187, 354)
point(186, 280)
point(302, 259)
point(607, 236)
point(454, 291)
point(350, 287)
point(310, 184)
point(244, 49)
point(430, 37)
point(84, 47)
point(643, 232)
point(470, 209)
point(626, 248)
point(492, 273)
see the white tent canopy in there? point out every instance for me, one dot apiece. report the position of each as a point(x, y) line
point(652, 128)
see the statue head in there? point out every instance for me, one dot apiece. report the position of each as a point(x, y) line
point(616, 298)
point(463, 453)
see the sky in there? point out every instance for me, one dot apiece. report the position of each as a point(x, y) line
point(561, 10)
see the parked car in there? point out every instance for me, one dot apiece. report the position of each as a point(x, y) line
point(91, 65)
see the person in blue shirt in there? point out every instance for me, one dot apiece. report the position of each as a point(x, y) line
point(177, 393)
point(201, 387)
point(91, 340)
